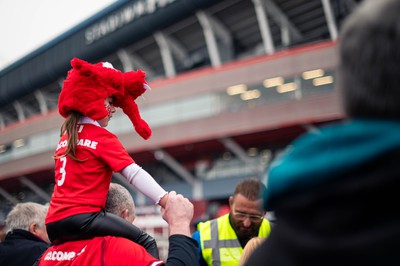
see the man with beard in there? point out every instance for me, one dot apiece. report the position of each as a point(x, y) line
point(221, 240)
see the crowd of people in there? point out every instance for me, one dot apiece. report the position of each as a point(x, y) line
point(27, 234)
point(334, 192)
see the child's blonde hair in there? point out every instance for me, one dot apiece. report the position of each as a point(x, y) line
point(249, 248)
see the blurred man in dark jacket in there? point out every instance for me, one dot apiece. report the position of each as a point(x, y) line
point(335, 193)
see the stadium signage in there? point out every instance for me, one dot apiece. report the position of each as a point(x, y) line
point(122, 17)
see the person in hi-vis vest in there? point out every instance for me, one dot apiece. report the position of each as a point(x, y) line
point(221, 240)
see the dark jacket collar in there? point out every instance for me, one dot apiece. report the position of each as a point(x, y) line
point(22, 234)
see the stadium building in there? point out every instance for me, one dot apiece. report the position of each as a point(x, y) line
point(233, 82)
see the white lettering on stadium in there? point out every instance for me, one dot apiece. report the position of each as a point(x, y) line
point(81, 142)
point(122, 17)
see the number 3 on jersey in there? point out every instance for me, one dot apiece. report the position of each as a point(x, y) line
point(60, 182)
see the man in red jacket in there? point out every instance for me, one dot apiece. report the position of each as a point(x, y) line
point(110, 250)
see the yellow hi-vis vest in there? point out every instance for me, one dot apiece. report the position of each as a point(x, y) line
point(219, 243)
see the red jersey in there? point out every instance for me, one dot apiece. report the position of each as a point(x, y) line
point(82, 186)
point(105, 251)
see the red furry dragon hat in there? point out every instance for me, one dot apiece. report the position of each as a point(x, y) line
point(87, 85)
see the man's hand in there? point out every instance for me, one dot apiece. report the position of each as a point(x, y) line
point(178, 213)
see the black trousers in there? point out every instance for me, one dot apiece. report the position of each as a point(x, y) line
point(89, 225)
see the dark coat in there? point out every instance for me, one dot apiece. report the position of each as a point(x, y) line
point(21, 248)
point(338, 204)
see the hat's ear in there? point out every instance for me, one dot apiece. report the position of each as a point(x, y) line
point(81, 67)
point(77, 63)
point(134, 86)
point(135, 83)
point(131, 109)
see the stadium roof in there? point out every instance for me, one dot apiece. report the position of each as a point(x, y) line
point(141, 30)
